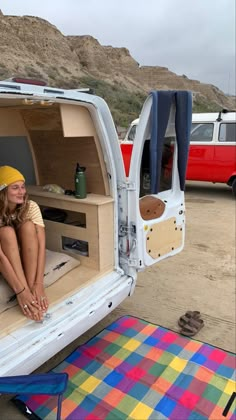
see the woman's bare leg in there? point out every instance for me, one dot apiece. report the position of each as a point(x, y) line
point(28, 241)
point(12, 270)
point(29, 244)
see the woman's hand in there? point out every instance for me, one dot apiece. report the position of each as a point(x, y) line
point(39, 295)
point(29, 306)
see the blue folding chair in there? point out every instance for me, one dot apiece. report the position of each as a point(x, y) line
point(38, 384)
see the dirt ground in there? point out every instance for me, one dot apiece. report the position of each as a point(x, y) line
point(201, 278)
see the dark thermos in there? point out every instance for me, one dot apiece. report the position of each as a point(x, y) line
point(80, 182)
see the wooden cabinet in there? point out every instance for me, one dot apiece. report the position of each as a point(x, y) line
point(98, 229)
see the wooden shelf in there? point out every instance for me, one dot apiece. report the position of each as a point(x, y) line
point(94, 199)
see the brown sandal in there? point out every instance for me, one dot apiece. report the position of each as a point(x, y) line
point(184, 319)
point(193, 327)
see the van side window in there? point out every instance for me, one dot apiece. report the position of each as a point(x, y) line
point(132, 132)
point(201, 132)
point(227, 132)
point(166, 167)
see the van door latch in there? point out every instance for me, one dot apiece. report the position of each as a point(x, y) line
point(125, 230)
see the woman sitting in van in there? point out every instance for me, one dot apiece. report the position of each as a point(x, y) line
point(22, 244)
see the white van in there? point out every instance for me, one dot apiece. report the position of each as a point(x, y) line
point(130, 134)
point(44, 132)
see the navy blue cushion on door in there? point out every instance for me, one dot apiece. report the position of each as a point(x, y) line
point(161, 106)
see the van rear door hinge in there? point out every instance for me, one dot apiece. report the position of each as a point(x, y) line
point(125, 230)
point(129, 186)
point(133, 262)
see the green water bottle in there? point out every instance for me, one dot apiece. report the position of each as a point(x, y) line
point(80, 182)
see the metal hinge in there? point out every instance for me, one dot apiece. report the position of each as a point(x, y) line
point(129, 186)
point(125, 230)
point(133, 262)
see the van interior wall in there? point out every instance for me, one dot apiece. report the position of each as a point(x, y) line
point(56, 155)
point(57, 165)
point(15, 147)
point(53, 160)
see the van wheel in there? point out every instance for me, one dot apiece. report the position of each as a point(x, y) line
point(234, 187)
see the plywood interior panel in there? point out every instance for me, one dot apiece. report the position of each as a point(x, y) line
point(106, 236)
point(163, 238)
point(47, 118)
point(67, 133)
point(151, 207)
point(11, 123)
point(99, 230)
point(57, 157)
point(59, 136)
point(76, 121)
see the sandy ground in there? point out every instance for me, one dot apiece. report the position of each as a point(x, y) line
point(201, 278)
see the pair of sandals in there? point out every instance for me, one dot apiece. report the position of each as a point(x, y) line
point(190, 323)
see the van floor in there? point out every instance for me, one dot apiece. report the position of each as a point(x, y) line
point(66, 286)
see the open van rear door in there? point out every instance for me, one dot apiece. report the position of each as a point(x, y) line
point(155, 187)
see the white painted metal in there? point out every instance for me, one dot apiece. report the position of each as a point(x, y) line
point(173, 198)
point(30, 346)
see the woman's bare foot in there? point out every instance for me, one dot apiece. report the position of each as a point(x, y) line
point(40, 296)
point(29, 306)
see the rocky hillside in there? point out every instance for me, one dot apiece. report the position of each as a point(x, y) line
point(31, 46)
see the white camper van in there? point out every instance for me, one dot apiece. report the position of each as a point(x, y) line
point(44, 132)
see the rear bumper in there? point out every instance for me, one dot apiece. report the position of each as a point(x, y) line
point(27, 348)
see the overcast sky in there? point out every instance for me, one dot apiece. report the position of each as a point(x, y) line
point(191, 37)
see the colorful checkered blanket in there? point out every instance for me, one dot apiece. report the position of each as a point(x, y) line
point(137, 370)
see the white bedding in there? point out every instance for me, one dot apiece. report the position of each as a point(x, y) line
point(57, 264)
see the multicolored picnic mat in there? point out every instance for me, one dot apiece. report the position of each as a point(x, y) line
point(137, 370)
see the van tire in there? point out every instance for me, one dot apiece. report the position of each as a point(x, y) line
point(234, 187)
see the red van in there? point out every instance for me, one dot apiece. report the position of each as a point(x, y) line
point(212, 152)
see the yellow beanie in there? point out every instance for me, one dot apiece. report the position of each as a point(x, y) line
point(9, 175)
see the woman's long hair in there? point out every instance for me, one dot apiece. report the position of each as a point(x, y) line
point(20, 214)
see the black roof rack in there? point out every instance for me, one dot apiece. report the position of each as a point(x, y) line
point(223, 111)
point(91, 91)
